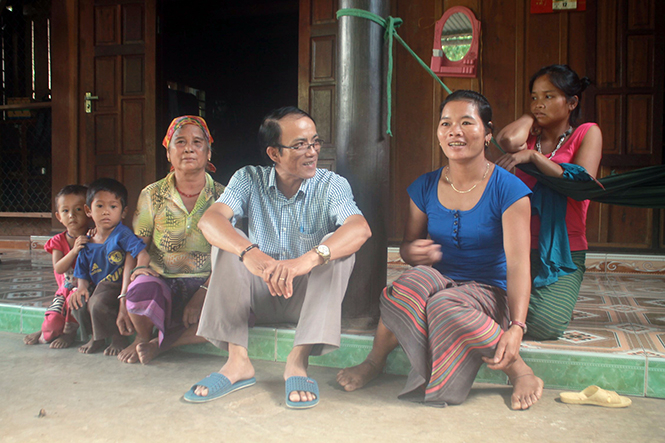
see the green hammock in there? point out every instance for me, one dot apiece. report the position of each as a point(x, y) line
point(642, 188)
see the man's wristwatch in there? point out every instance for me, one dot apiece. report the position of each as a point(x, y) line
point(323, 251)
point(520, 324)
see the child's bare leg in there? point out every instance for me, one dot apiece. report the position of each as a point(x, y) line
point(358, 376)
point(118, 343)
point(34, 338)
point(92, 346)
point(143, 327)
point(67, 338)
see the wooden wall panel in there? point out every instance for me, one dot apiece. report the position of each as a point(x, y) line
point(133, 73)
point(322, 105)
point(414, 148)
point(639, 124)
point(106, 129)
point(133, 135)
point(629, 227)
point(105, 84)
point(323, 59)
point(640, 61)
point(323, 11)
point(641, 14)
point(608, 116)
point(133, 24)
point(105, 26)
point(607, 50)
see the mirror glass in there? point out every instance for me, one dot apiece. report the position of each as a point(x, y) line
point(456, 36)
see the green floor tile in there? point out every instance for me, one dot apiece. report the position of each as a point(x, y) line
point(352, 351)
point(655, 377)
point(10, 318)
point(398, 363)
point(577, 370)
point(31, 319)
point(262, 344)
point(284, 343)
point(487, 375)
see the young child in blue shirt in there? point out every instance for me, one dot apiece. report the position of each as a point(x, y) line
point(59, 327)
point(100, 267)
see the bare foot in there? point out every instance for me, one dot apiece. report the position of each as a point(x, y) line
point(118, 344)
point(129, 354)
point(148, 350)
point(92, 346)
point(527, 389)
point(64, 341)
point(33, 339)
point(238, 367)
point(296, 365)
point(358, 376)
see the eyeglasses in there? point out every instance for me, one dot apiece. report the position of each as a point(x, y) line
point(304, 146)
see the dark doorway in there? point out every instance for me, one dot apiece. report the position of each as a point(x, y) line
point(244, 55)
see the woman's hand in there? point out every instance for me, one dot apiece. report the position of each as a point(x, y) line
point(124, 322)
point(507, 350)
point(509, 161)
point(192, 312)
point(422, 252)
point(143, 271)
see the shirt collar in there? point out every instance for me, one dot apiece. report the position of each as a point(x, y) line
point(272, 184)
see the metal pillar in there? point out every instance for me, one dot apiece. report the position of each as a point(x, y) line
point(363, 148)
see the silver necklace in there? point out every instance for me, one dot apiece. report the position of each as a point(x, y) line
point(445, 174)
point(562, 137)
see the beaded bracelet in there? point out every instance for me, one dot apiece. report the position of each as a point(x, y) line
point(247, 249)
point(122, 296)
point(203, 287)
point(137, 268)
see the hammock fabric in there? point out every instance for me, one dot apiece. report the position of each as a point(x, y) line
point(642, 188)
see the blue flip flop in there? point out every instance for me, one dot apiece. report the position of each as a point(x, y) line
point(218, 386)
point(306, 384)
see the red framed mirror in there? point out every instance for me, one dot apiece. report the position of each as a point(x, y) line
point(456, 42)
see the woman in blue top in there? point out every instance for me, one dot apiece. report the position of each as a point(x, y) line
point(466, 299)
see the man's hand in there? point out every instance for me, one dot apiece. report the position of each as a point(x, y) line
point(124, 322)
point(279, 274)
point(507, 350)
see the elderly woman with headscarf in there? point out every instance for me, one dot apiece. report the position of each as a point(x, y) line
point(168, 294)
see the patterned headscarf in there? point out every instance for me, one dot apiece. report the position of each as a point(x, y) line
point(183, 120)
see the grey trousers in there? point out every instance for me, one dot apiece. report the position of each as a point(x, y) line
point(316, 303)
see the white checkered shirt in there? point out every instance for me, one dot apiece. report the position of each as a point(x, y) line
point(287, 228)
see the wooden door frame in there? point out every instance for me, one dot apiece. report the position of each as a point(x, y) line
point(64, 91)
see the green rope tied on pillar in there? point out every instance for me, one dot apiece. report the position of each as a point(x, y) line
point(390, 24)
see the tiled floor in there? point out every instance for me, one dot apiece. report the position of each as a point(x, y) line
point(617, 335)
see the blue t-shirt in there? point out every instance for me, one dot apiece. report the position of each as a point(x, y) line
point(471, 241)
point(104, 262)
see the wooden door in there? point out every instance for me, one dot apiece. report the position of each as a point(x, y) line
point(317, 58)
point(117, 64)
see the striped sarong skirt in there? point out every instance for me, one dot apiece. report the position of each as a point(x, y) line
point(444, 327)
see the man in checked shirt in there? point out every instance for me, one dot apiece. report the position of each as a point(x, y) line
point(304, 230)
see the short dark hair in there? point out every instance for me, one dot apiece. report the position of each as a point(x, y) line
point(482, 105)
point(270, 131)
point(79, 190)
point(567, 80)
point(109, 185)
